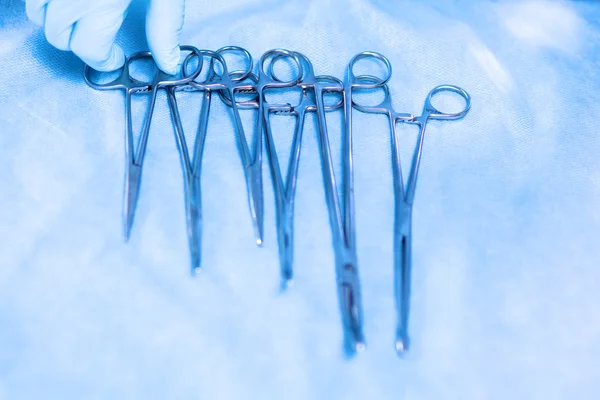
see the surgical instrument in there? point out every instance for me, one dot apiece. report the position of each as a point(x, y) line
point(404, 198)
point(135, 159)
point(192, 165)
point(284, 190)
point(343, 235)
point(231, 87)
point(342, 225)
point(254, 164)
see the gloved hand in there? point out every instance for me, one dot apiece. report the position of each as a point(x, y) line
point(88, 28)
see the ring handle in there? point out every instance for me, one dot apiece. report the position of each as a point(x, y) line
point(123, 81)
point(431, 112)
point(163, 79)
point(366, 55)
point(385, 107)
point(278, 54)
point(240, 75)
point(199, 55)
point(308, 72)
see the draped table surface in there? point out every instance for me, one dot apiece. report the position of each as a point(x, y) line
point(506, 222)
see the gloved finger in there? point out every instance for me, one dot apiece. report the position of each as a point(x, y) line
point(36, 10)
point(163, 28)
point(93, 40)
point(61, 16)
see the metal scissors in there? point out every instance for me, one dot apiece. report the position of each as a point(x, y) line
point(192, 166)
point(135, 159)
point(405, 197)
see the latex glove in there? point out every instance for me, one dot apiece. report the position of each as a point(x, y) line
point(88, 28)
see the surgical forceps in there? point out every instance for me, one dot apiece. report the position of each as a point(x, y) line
point(404, 199)
point(348, 282)
point(285, 190)
point(253, 162)
point(192, 166)
point(342, 225)
point(254, 165)
point(135, 159)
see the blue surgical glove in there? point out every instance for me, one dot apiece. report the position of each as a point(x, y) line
point(88, 28)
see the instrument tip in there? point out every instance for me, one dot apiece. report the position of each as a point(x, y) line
point(195, 262)
point(259, 242)
point(352, 348)
point(286, 283)
point(127, 224)
point(287, 275)
point(361, 346)
point(401, 346)
point(126, 233)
